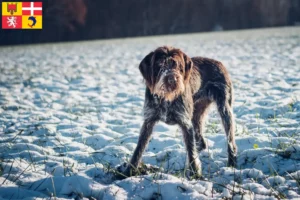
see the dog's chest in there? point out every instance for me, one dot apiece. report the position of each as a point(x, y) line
point(163, 114)
point(167, 113)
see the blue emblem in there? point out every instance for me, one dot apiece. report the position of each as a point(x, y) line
point(33, 19)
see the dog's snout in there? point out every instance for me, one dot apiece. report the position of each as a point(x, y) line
point(171, 79)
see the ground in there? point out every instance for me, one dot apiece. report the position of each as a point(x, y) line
point(71, 113)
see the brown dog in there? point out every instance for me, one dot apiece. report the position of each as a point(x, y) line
point(179, 90)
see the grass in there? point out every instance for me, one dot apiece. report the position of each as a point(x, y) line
point(20, 166)
point(237, 188)
point(233, 184)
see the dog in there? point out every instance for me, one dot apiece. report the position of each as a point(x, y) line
point(179, 90)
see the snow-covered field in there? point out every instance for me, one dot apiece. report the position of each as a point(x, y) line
point(70, 113)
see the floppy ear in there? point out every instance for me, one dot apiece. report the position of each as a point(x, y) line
point(188, 66)
point(146, 69)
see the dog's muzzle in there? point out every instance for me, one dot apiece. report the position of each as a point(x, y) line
point(171, 81)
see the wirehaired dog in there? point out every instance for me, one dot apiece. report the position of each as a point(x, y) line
point(179, 90)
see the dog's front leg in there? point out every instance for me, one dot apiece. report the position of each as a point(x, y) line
point(145, 135)
point(192, 154)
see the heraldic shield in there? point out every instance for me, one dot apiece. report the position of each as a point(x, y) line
point(22, 15)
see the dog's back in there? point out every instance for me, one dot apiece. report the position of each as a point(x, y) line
point(213, 76)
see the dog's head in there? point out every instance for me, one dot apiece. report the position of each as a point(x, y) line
point(166, 72)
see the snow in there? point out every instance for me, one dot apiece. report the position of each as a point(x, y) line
point(71, 113)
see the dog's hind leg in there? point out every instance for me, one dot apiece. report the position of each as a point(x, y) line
point(226, 114)
point(200, 112)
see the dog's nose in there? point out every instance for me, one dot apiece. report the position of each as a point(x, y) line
point(171, 79)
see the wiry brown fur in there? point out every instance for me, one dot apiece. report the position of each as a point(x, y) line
point(179, 90)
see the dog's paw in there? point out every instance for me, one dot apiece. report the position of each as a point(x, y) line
point(122, 171)
point(232, 161)
point(194, 175)
point(201, 146)
point(125, 170)
point(194, 172)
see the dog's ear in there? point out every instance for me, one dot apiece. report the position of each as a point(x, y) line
point(146, 69)
point(188, 66)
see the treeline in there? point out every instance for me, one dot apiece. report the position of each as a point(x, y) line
point(69, 20)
